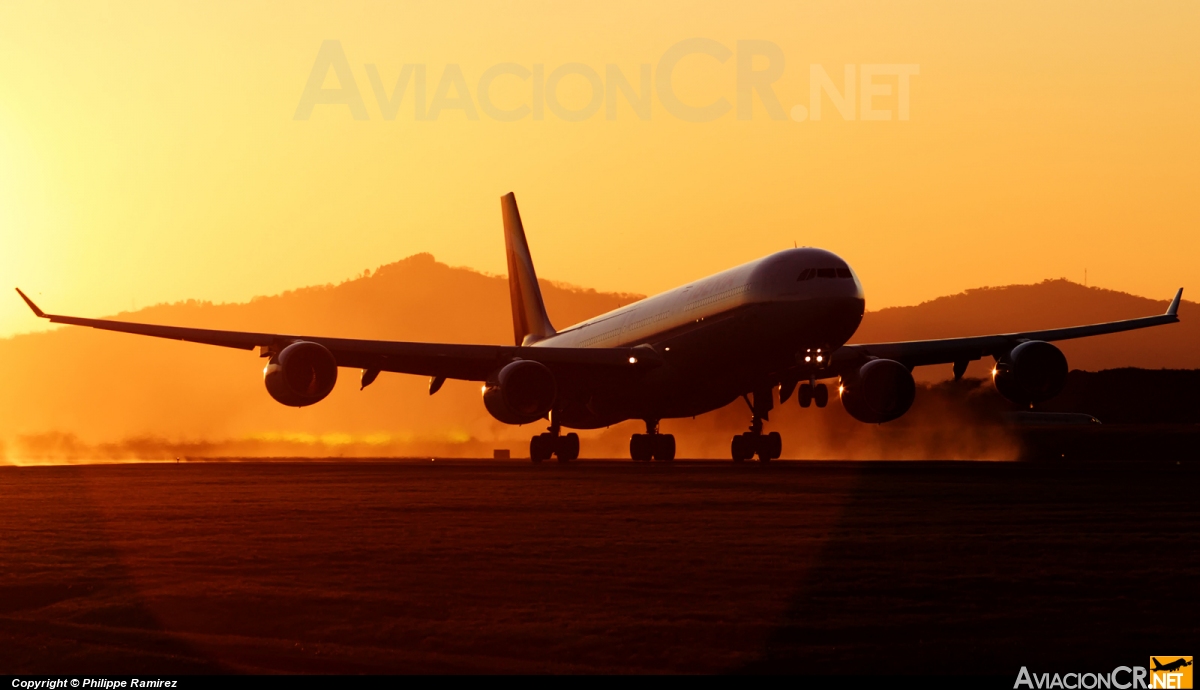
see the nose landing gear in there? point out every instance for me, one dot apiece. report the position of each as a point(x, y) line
point(810, 393)
point(652, 445)
point(754, 442)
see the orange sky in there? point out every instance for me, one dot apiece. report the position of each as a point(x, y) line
point(149, 151)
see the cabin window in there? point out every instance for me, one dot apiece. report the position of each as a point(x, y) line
point(806, 274)
point(843, 273)
point(826, 273)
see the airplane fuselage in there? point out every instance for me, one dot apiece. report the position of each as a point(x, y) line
point(718, 337)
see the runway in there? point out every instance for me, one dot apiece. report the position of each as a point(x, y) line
point(416, 566)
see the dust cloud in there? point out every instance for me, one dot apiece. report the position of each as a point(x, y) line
point(949, 421)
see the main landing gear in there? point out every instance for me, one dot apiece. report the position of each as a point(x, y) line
point(564, 446)
point(754, 442)
point(652, 445)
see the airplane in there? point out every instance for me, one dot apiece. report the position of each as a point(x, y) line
point(1179, 663)
point(781, 321)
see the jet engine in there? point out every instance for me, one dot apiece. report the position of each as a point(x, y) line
point(1030, 373)
point(880, 391)
point(521, 392)
point(302, 374)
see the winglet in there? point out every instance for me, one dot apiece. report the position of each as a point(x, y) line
point(1170, 310)
point(41, 314)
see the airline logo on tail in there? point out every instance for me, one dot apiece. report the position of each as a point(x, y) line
point(530, 322)
point(1170, 672)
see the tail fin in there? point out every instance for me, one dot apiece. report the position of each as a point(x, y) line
point(1157, 665)
point(530, 323)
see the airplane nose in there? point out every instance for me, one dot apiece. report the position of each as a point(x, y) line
point(854, 287)
point(806, 273)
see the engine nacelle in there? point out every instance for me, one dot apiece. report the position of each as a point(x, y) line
point(521, 392)
point(1031, 373)
point(302, 374)
point(880, 391)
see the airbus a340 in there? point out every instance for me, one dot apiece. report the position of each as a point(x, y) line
point(779, 322)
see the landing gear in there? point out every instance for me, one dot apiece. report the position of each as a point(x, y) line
point(652, 445)
point(810, 393)
point(754, 442)
point(766, 446)
point(564, 446)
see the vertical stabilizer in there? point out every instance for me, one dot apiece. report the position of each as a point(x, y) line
point(530, 323)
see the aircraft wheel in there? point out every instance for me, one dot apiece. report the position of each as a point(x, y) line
point(773, 444)
point(805, 395)
point(568, 447)
point(762, 448)
point(821, 395)
point(639, 447)
point(540, 447)
point(741, 447)
point(664, 447)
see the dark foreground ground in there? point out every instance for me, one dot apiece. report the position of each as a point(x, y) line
point(419, 566)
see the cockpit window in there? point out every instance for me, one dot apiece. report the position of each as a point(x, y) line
point(810, 273)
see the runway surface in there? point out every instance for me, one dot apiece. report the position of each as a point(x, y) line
point(488, 566)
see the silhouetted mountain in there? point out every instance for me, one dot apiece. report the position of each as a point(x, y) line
point(73, 388)
point(1048, 304)
point(69, 392)
point(414, 299)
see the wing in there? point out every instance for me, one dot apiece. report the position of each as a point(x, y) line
point(452, 361)
point(915, 353)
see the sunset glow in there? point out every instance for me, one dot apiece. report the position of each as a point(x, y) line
point(149, 153)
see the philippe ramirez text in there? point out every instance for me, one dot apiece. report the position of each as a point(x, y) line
point(105, 683)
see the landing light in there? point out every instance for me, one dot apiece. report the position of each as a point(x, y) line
point(633, 360)
point(807, 358)
point(483, 388)
point(819, 357)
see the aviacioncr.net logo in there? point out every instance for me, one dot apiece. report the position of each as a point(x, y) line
point(1163, 672)
point(1170, 672)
